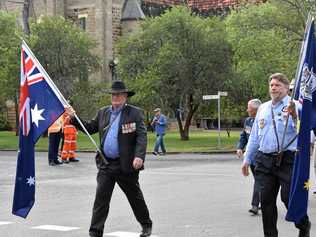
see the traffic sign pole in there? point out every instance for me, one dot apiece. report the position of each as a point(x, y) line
point(218, 98)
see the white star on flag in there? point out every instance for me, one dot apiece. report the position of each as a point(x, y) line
point(37, 115)
point(31, 181)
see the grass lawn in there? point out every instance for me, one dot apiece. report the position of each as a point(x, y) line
point(200, 141)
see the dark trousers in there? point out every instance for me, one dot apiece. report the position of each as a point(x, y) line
point(129, 184)
point(271, 178)
point(256, 189)
point(53, 145)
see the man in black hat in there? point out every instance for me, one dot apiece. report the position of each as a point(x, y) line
point(123, 139)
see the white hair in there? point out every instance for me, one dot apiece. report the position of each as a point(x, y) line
point(255, 103)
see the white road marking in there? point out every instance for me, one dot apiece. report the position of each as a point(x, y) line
point(5, 223)
point(55, 227)
point(125, 234)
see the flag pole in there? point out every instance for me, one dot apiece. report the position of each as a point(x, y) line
point(300, 63)
point(63, 100)
point(299, 66)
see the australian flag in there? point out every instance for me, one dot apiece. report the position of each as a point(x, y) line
point(40, 105)
point(305, 93)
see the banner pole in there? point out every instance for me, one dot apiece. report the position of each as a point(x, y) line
point(299, 66)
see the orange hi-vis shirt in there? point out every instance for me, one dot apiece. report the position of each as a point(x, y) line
point(70, 142)
point(56, 126)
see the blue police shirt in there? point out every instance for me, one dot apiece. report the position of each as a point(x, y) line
point(244, 135)
point(263, 136)
point(110, 142)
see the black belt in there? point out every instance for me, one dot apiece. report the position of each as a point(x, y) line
point(274, 154)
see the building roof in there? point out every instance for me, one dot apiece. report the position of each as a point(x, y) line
point(164, 2)
point(203, 5)
point(132, 11)
point(199, 4)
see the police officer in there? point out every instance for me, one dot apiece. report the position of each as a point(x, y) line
point(274, 169)
point(252, 109)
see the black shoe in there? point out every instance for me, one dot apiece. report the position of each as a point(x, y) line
point(51, 163)
point(65, 161)
point(305, 232)
point(155, 153)
point(146, 231)
point(74, 160)
point(57, 162)
point(162, 153)
point(254, 210)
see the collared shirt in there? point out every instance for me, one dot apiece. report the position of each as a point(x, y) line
point(110, 141)
point(244, 135)
point(263, 135)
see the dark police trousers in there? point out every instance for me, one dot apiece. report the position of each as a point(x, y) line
point(255, 201)
point(129, 184)
point(271, 178)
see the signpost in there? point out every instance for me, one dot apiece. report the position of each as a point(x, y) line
point(218, 98)
point(210, 97)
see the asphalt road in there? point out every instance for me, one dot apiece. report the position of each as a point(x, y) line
point(189, 195)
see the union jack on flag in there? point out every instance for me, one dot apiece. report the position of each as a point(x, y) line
point(29, 75)
point(41, 104)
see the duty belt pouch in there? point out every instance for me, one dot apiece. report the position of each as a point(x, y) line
point(265, 163)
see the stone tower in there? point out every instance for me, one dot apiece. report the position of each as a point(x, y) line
point(131, 15)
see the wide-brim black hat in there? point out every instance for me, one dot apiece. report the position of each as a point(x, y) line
point(119, 87)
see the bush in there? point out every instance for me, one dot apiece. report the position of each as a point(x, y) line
point(4, 124)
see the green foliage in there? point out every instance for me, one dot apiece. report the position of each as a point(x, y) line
point(175, 59)
point(87, 106)
point(9, 56)
point(265, 39)
point(4, 124)
point(64, 51)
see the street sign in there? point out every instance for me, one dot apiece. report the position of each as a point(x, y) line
point(210, 97)
point(222, 93)
point(218, 98)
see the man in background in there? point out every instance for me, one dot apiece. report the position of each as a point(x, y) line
point(159, 122)
point(252, 109)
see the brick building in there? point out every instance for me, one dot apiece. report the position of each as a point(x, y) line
point(106, 20)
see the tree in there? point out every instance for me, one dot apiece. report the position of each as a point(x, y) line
point(175, 59)
point(26, 16)
point(265, 39)
point(65, 52)
point(9, 59)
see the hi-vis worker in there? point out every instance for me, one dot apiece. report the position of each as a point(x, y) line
point(68, 153)
point(54, 136)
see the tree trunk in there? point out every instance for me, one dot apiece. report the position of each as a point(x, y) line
point(26, 15)
point(184, 131)
point(181, 130)
point(17, 119)
point(228, 131)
